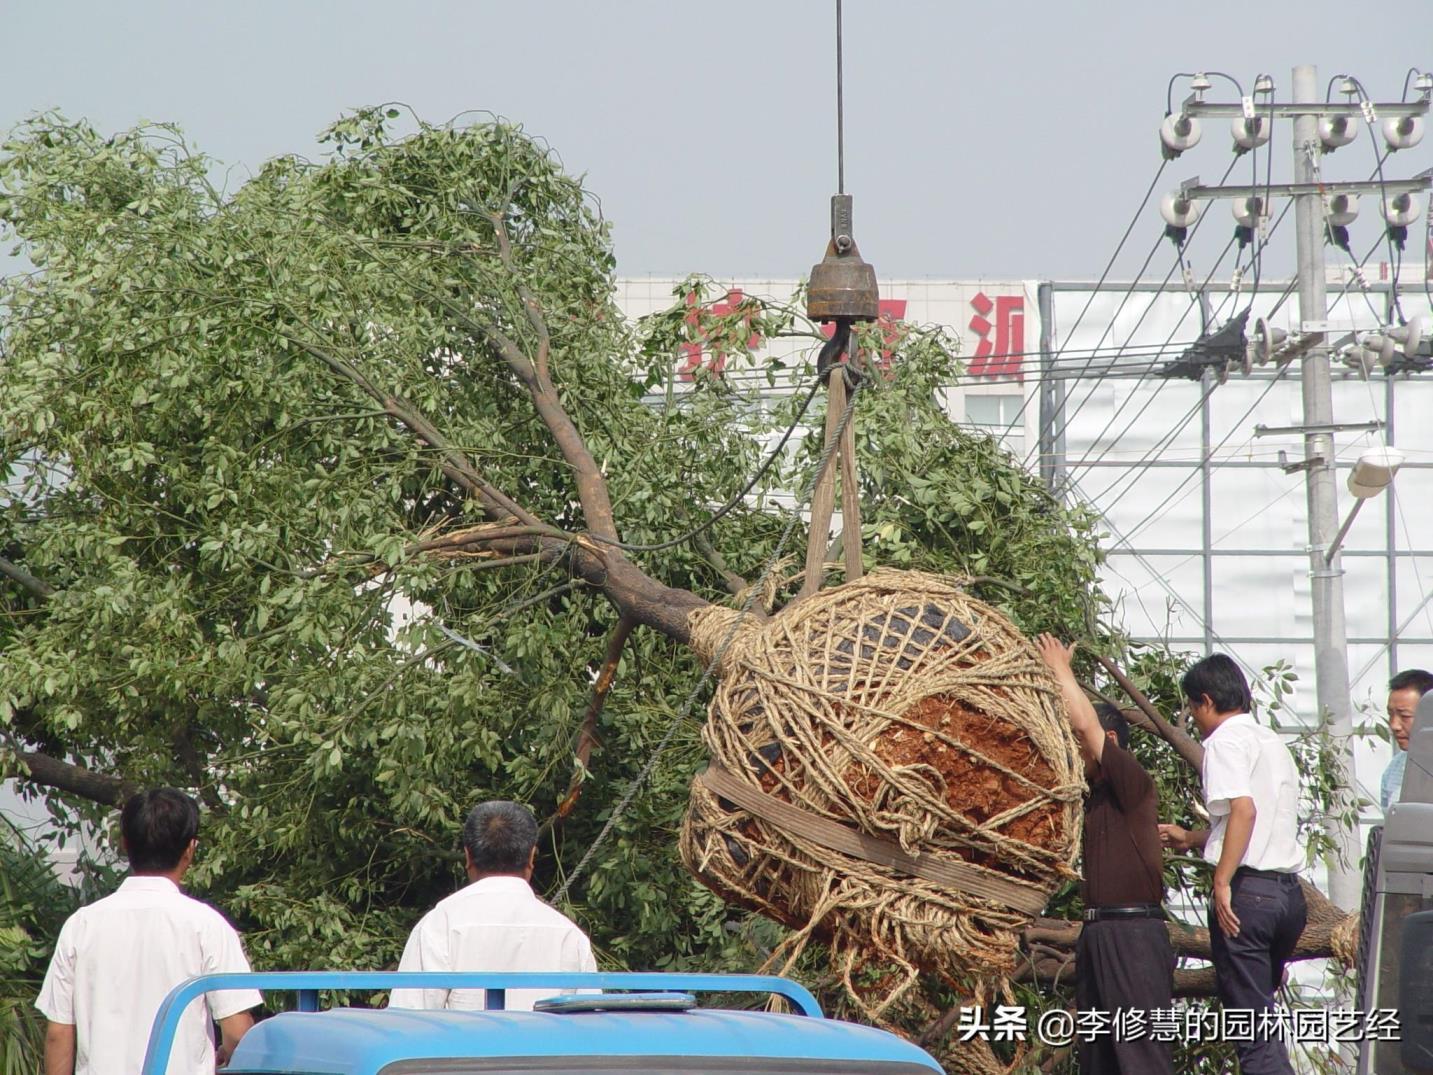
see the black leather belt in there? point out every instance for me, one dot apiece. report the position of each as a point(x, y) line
point(1268, 875)
point(1129, 910)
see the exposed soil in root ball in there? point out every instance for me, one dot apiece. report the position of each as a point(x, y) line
point(973, 788)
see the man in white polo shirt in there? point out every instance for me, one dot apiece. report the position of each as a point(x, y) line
point(1251, 790)
point(495, 922)
point(117, 959)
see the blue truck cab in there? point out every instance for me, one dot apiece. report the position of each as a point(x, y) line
point(640, 1023)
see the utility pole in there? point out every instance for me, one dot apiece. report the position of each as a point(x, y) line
point(1050, 438)
point(1326, 577)
point(1310, 345)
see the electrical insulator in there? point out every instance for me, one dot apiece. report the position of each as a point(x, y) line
point(1177, 133)
point(1403, 132)
point(1342, 209)
point(1250, 133)
point(1407, 336)
point(1264, 341)
point(1335, 131)
point(1179, 211)
point(1380, 347)
point(1247, 211)
point(1359, 358)
point(1401, 210)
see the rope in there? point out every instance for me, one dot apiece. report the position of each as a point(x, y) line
point(736, 619)
point(901, 708)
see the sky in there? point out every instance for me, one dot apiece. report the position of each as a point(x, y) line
point(990, 140)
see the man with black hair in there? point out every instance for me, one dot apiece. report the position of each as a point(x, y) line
point(1257, 909)
point(1123, 959)
point(117, 959)
point(495, 922)
point(1404, 692)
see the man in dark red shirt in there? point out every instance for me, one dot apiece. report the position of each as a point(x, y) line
point(1123, 959)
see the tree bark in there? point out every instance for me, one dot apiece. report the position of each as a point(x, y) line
point(87, 784)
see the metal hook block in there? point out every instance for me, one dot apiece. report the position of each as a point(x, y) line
point(842, 285)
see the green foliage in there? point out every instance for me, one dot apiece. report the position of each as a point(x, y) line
point(228, 526)
point(33, 906)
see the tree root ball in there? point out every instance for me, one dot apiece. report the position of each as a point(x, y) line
point(901, 708)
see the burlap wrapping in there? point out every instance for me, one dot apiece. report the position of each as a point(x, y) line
point(902, 709)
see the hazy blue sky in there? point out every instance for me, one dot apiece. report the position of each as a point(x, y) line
point(997, 139)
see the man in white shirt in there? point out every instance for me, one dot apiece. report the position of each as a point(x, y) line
point(495, 923)
point(117, 959)
point(1251, 790)
point(1405, 690)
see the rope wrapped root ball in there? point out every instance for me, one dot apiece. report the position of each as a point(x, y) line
point(891, 774)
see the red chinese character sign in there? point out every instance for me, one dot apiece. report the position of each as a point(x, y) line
point(709, 345)
point(1002, 356)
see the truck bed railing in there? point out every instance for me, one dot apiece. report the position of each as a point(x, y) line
point(308, 985)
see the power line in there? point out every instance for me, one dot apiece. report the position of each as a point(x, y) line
point(1104, 275)
point(1137, 472)
point(1133, 476)
point(1190, 477)
point(1155, 395)
point(1045, 429)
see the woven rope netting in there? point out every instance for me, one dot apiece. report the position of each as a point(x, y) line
point(901, 709)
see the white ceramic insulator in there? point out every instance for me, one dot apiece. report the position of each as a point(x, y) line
point(1343, 209)
point(1251, 133)
point(1179, 132)
point(1401, 210)
point(1179, 211)
point(1403, 132)
point(1247, 211)
point(1335, 131)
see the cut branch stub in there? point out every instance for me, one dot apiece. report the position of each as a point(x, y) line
point(916, 717)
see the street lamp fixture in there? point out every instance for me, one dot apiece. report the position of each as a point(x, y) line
point(1372, 474)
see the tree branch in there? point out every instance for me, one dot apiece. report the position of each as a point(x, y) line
point(1050, 945)
point(529, 304)
point(591, 485)
point(63, 776)
point(634, 593)
point(1188, 749)
point(733, 582)
point(456, 466)
point(26, 581)
point(587, 734)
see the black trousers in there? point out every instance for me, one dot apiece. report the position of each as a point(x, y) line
point(1124, 964)
point(1249, 968)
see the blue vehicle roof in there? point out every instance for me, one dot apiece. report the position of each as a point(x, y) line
point(357, 1042)
point(623, 1032)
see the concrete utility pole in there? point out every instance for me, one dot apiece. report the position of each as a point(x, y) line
point(1308, 191)
point(1326, 578)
